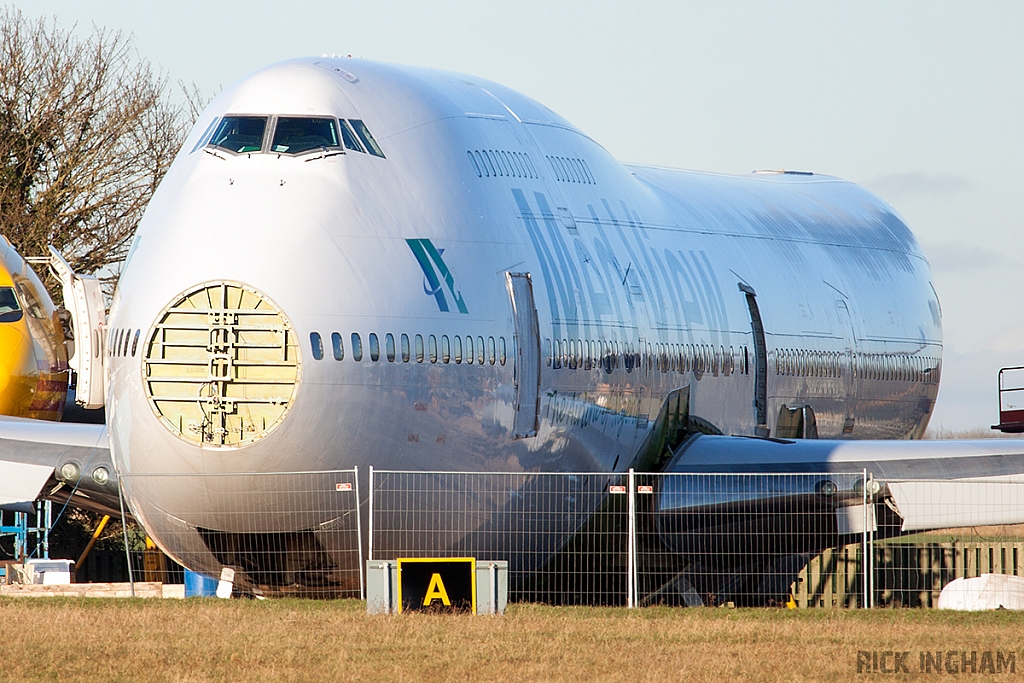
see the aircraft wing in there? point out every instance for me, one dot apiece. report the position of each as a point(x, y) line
point(931, 484)
point(56, 460)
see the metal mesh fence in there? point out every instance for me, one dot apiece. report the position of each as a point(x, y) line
point(934, 531)
point(563, 535)
point(635, 539)
point(800, 540)
point(712, 539)
point(283, 534)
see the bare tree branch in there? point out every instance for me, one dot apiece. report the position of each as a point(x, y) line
point(87, 131)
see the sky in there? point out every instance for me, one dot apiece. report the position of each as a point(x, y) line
point(921, 102)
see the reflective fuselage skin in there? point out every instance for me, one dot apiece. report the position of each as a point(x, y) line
point(646, 258)
point(33, 358)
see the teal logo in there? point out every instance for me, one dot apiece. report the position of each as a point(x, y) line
point(436, 275)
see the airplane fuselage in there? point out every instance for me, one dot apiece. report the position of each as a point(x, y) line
point(337, 307)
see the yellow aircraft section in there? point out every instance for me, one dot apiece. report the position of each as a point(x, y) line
point(33, 356)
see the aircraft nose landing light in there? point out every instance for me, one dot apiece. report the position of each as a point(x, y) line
point(222, 365)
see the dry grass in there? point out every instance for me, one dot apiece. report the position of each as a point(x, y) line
point(55, 639)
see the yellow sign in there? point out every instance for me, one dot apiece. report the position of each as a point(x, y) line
point(447, 584)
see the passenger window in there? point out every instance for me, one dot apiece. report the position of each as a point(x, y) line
point(547, 351)
point(127, 338)
point(432, 348)
point(339, 349)
point(294, 135)
point(364, 136)
point(405, 348)
point(533, 169)
point(510, 159)
point(135, 342)
point(374, 347)
point(317, 344)
point(458, 348)
point(480, 350)
point(469, 350)
point(501, 350)
point(389, 347)
point(490, 350)
point(476, 167)
point(419, 348)
point(590, 175)
point(496, 163)
point(348, 136)
point(240, 134)
point(357, 347)
point(445, 349)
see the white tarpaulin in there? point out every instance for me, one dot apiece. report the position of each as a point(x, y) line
point(947, 504)
point(20, 482)
point(988, 591)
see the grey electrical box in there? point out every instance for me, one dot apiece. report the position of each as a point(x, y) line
point(491, 587)
point(382, 586)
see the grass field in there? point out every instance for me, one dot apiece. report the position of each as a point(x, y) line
point(57, 639)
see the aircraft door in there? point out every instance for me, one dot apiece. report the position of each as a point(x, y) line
point(760, 361)
point(848, 369)
point(527, 356)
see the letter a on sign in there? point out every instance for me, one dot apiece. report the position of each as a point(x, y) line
point(446, 584)
point(436, 591)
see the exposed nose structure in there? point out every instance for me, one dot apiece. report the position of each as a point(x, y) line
point(222, 365)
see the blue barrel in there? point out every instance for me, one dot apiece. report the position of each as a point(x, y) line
point(199, 585)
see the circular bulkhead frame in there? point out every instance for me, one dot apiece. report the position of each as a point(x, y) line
point(221, 366)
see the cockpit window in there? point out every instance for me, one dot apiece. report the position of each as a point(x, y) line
point(364, 135)
point(29, 299)
point(295, 135)
point(349, 136)
point(240, 134)
point(205, 138)
point(10, 309)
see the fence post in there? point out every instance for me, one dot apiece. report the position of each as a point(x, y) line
point(124, 533)
point(631, 543)
point(359, 535)
point(871, 539)
point(864, 538)
point(369, 532)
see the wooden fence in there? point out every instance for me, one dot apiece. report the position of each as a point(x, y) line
point(905, 574)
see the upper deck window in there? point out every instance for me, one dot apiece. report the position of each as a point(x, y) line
point(10, 309)
point(364, 136)
point(295, 135)
point(240, 134)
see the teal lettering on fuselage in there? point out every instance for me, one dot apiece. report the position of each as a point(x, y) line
point(670, 293)
point(429, 257)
